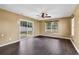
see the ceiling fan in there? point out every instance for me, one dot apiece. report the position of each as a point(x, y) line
point(44, 15)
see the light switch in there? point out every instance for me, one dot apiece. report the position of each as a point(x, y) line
point(2, 35)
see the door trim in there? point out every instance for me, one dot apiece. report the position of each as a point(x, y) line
point(27, 21)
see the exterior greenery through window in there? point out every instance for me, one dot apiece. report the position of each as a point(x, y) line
point(51, 26)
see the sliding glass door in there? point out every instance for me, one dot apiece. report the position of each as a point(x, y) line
point(26, 28)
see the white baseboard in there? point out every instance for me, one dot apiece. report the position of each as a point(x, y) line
point(75, 46)
point(9, 43)
point(57, 36)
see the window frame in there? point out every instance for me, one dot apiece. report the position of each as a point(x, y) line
point(46, 27)
point(52, 29)
point(27, 26)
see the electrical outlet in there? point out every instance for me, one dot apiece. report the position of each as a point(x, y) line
point(10, 39)
point(2, 35)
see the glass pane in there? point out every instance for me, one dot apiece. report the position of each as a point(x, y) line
point(48, 25)
point(23, 32)
point(30, 29)
point(30, 24)
point(23, 27)
point(54, 26)
point(23, 23)
point(29, 32)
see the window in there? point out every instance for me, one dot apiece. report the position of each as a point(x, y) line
point(51, 26)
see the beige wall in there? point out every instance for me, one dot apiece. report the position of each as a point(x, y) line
point(76, 28)
point(9, 26)
point(64, 28)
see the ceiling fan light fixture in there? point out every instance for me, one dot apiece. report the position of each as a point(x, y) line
point(45, 15)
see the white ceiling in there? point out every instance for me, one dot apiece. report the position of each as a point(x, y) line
point(32, 10)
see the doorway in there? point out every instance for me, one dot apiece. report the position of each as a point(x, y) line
point(26, 28)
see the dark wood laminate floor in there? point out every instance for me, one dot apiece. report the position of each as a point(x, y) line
point(39, 46)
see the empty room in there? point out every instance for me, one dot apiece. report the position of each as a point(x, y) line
point(39, 29)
